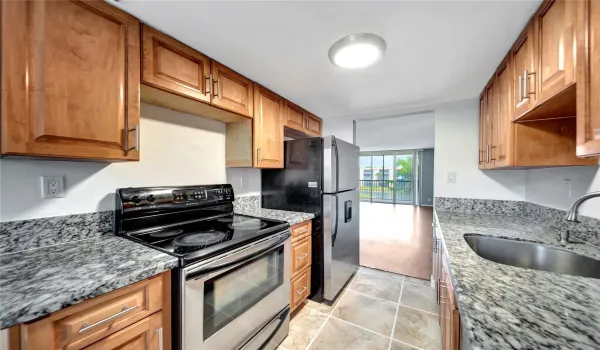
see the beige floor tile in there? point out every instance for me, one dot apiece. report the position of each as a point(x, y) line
point(396, 345)
point(425, 283)
point(339, 335)
point(417, 328)
point(371, 313)
point(381, 273)
point(304, 326)
point(419, 297)
point(380, 287)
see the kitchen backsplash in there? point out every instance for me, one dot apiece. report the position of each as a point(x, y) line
point(587, 229)
point(22, 235)
point(247, 203)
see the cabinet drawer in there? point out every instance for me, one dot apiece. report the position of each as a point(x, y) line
point(146, 334)
point(301, 230)
point(300, 288)
point(301, 255)
point(83, 324)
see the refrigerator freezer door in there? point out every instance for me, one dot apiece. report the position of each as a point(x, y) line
point(341, 246)
point(339, 164)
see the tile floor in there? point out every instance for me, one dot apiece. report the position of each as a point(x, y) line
point(377, 310)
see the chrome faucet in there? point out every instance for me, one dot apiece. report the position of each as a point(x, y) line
point(572, 214)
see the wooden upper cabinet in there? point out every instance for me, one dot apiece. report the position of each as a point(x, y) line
point(71, 80)
point(555, 42)
point(231, 90)
point(295, 117)
point(522, 58)
point(503, 129)
point(268, 128)
point(588, 78)
point(482, 132)
point(313, 125)
point(170, 65)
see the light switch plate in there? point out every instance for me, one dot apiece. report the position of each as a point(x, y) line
point(451, 177)
point(53, 187)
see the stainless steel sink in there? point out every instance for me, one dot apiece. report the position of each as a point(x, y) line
point(533, 256)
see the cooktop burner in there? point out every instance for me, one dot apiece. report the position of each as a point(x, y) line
point(199, 239)
point(202, 238)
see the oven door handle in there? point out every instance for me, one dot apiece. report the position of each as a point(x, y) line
point(210, 269)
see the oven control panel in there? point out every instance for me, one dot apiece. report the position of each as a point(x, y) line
point(173, 197)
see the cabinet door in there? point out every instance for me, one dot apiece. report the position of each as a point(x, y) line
point(522, 67)
point(503, 128)
point(268, 128)
point(295, 117)
point(491, 111)
point(231, 90)
point(169, 65)
point(313, 125)
point(555, 39)
point(588, 78)
point(482, 133)
point(71, 80)
point(147, 334)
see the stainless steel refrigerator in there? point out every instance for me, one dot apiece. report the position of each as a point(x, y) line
point(321, 176)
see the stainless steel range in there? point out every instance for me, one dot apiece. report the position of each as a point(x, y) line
point(232, 288)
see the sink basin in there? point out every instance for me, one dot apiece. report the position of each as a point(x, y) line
point(533, 256)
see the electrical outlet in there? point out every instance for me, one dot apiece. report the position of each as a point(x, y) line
point(53, 186)
point(244, 181)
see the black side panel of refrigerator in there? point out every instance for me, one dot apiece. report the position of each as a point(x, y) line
point(298, 186)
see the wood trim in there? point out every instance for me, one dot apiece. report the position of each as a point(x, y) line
point(588, 54)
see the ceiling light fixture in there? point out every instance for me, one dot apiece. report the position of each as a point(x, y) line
point(357, 51)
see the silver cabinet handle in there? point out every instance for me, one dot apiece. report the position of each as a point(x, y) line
point(525, 78)
point(218, 92)
point(136, 135)
point(487, 153)
point(85, 327)
point(208, 84)
point(520, 90)
point(259, 155)
point(302, 257)
point(492, 153)
point(160, 338)
point(302, 291)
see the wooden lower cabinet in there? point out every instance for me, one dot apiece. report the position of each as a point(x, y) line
point(301, 263)
point(449, 317)
point(133, 317)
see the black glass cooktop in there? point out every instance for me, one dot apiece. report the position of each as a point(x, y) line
point(205, 238)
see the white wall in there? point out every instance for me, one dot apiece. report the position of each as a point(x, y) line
point(176, 149)
point(396, 133)
point(550, 187)
point(456, 148)
point(342, 128)
point(245, 181)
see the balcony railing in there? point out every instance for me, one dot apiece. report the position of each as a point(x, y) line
point(383, 190)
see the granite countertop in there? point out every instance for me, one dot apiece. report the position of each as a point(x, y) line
point(292, 217)
point(37, 282)
point(506, 307)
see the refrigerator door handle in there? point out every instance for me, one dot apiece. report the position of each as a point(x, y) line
point(334, 235)
point(337, 168)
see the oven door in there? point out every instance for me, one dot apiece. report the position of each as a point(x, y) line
point(232, 300)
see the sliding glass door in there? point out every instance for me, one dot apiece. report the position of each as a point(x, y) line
point(387, 177)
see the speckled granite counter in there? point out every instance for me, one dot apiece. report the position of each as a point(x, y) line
point(505, 307)
point(36, 282)
point(291, 217)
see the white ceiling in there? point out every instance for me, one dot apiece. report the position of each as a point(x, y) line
point(436, 51)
